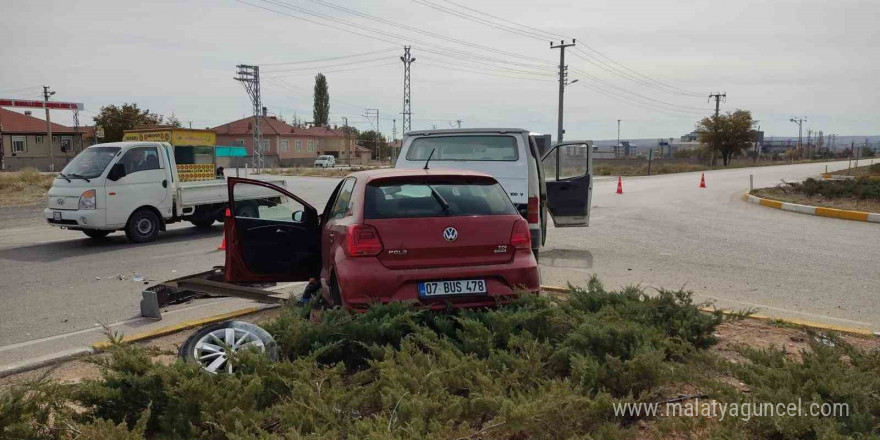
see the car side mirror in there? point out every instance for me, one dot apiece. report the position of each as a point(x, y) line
point(117, 172)
point(298, 216)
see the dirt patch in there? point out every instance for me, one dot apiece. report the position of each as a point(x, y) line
point(82, 369)
point(848, 203)
point(763, 334)
point(25, 187)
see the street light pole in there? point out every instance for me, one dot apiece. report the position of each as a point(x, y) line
point(617, 147)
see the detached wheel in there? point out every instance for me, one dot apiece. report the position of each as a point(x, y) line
point(210, 346)
point(142, 227)
point(96, 233)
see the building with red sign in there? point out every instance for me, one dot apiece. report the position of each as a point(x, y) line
point(24, 142)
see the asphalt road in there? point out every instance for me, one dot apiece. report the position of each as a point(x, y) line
point(663, 231)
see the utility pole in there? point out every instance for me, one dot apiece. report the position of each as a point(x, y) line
point(718, 96)
point(809, 144)
point(369, 112)
point(347, 139)
point(563, 81)
point(407, 101)
point(46, 94)
point(617, 147)
point(394, 141)
point(800, 124)
point(756, 144)
point(249, 77)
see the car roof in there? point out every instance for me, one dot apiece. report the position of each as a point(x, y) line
point(467, 131)
point(383, 173)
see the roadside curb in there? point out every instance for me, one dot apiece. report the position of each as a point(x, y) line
point(844, 214)
point(795, 321)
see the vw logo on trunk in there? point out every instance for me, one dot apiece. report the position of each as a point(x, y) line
point(59, 201)
point(450, 234)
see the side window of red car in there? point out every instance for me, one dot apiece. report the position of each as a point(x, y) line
point(343, 200)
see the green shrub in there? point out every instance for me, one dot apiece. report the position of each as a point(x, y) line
point(861, 188)
point(541, 368)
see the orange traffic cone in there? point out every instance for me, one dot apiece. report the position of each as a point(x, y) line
point(222, 246)
point(702, 180)
point(619, 185)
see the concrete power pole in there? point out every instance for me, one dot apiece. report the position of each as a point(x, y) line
point(800, 124)
point(347, 139)
point(407, 96)
point(617, 147)
point(46, 94)
point(718, 96)
point(563, 81)
point(249, 77)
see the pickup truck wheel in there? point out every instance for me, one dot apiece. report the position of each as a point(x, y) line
point(96, 233)
point(203, 223)
point(248, 210)
point(211, 345)
point(142, 227)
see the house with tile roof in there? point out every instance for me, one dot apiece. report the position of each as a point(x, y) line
point(284, 145)
point(24, 142)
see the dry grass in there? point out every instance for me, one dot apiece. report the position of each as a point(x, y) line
point(783, 194)
point(25, 187)
point(315, 172)
point(868, 170)
point(659, 167)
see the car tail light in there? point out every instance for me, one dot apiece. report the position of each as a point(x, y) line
point(363, 241)
point(520, 237)
point(533, 210)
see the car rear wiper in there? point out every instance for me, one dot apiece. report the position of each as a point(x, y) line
point(77, 176)
point(440, 199)
point(61, 175)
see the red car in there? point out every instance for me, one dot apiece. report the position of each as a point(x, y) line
point(434, 236)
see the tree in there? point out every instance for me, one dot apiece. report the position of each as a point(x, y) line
point(375, 141)
point(115, 120)
point(173, 121)
point(729, 134)
point(321, 107)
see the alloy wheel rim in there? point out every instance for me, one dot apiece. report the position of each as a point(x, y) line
point(212, 350)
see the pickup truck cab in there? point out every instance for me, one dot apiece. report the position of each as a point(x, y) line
point(559, 181)
point(135, 187)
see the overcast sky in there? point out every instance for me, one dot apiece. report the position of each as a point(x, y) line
point(777, 58)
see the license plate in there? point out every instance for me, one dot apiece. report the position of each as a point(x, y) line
point(56, 216)
point(456, 287)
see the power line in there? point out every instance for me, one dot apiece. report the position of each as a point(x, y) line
point(318, 60)
point(542, 35)
point(489, 73)
point(316, 71)
point(326, 66)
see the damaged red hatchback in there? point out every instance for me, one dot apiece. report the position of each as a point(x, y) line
point(438, 237)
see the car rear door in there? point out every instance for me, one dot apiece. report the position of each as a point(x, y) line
point(271, 234)
point(568, 173)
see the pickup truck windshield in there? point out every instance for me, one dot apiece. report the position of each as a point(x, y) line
point(478, 148)
point(409, 200)
point(91, 162)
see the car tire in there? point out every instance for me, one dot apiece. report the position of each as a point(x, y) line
point(335, 292)
point(96, 233)
point(202, 347)
point(203, 223)
point(143, 226)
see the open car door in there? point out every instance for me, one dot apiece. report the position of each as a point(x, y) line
point(271, 234)
point(568, 173)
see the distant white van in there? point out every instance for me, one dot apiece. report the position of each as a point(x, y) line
point(560, 180)
point(325, 161)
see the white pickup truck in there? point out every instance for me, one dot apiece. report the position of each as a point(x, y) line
point(135, 187)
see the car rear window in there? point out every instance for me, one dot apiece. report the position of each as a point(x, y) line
point(416, 199)
point(476, 148)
